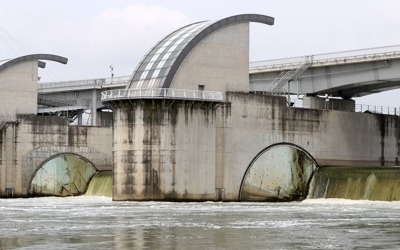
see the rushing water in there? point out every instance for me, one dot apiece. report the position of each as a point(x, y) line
point(99, 223)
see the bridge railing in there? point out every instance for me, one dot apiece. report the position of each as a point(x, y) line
point(117, 80)
point(377, 109)
point(97, 83)
point(67, 85)
point(350, 56)
point(161, 93)
point(359, 108)
point(56, 102)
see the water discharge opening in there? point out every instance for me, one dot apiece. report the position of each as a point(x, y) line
point(281, 172)
point(65, 174)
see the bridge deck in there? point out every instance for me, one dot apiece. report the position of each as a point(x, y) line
point(328, 59)
point(327, 78)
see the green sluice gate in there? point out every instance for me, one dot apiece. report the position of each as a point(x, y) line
point(101, 184)
point(356, 183)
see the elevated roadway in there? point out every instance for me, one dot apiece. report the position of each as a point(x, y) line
point(72, 98)
point(343, 74)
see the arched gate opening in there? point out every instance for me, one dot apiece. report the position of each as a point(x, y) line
point(65, 174)
point(281, 172)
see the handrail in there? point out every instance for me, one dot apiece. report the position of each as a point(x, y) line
point(376, 109)
point(57, 102)
point(161, 93)
point(358, 108)
point(340, 57)
point(83, 84)
point(116, 80)
point(68, 84)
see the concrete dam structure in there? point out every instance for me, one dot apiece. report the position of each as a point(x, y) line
point(188, 127)
point(43, 155)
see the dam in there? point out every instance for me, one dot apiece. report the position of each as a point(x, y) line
point(193, 123)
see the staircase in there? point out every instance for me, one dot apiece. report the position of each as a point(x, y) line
point(277, 85)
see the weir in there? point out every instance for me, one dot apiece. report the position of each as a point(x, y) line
point(101, 184)
point(190, 125)
point(356, 183)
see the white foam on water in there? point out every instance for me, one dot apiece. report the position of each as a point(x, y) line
point(74, 222)
point(345, 201)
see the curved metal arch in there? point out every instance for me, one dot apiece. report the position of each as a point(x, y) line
point(131, 79)
point(209, 28)
point(33, 57)
point(244, 18)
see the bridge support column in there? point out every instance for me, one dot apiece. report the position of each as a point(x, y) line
point(80, 113)
point(94, 108)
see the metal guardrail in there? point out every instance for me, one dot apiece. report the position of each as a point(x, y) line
point(83, 84)
point(342, 57)
point(364, 108)
point(56, 102)
point(358, 108)
point(161, 93)
point(68, 85)
point(116, 80)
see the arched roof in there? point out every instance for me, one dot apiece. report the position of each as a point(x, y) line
point(33, 57)
point(159, 66)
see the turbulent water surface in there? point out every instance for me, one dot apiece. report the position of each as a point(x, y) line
point(99, 223)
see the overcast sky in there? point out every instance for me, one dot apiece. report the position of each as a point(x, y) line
point(94, 34)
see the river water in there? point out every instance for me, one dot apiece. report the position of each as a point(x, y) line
point(98, 223)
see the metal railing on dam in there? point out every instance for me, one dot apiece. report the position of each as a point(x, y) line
point(161, 93)
point(334, 58)
point(358, 108)
point(375, 109)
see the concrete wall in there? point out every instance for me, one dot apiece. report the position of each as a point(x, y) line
point(31, 140)
point(218, 62)
point(18, 94)
point(191, 151)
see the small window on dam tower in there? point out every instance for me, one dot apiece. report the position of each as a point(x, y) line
point(201, 87)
